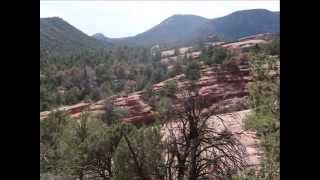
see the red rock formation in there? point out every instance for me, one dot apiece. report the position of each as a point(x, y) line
point(217, 83)
point(264, 36)
point(243, 44)
point(249, 41)
point(74, 109)
point(234, 122)
point(224, 84)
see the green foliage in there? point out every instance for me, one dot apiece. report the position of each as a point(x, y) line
point(218, 55)
point(164, 108)
point(177, 67)
point(106, 89)
point(148, 92)
point(91, 147)
point(204, 56)
point(111, 114)
point(158, 74)
point(247, 175)
point(94, 74)
point(265, 118)
point(103, 144)
point(271, 48)
point(179, 30)
point(48, 176)
point(52, 130)
point(146, 145)
point(169, 89)
point(78, 148)
point(193, 71)
point(214, 55)
point(58, 36)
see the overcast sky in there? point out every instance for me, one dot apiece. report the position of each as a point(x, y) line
point(128, 18)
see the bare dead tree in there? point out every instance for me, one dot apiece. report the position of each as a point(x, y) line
point(195, 147)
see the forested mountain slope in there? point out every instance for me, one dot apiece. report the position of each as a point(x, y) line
point(58, 36)
point(180, 29)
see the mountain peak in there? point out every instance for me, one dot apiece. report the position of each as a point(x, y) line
point(245, 23)
point(101, 36)
point(54, 18)
point(177, 29)
point(184, 17)
point(57, 36)
point(251, 11)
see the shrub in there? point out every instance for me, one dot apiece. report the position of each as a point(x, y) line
point(169, 89)
point(193, 71)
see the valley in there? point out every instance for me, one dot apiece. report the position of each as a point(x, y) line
point(191, 98)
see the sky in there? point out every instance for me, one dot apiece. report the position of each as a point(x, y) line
point(127, 18)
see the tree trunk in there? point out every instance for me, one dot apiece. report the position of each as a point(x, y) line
point(135, 158)
point(81, 176)
point(193, 164)
point(109, 164)
point(194, 138)
point(181, 169)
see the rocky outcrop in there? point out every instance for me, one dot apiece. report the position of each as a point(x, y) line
point(244, 43)
point(173, 59)
point(221, 84)
point(179, 51)
point(138, 110)
point(234, 123)
point(264, 36)
point(72, 110)
point(249, 41)
point(169, 57)
point(225, 85)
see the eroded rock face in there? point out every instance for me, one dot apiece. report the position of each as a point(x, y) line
point(218, 84)
point(72, 110)
point(264, 36)
point(169, 57)
point(173, 59)
point(224, 84)
point(249, 41)
point(244, 43)
point(234, 123)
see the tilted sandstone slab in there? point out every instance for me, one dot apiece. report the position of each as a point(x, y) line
point(217, 83)
point(233, 122)
point(223, 85)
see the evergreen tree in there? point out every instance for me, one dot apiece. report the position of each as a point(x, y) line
point(193, 71)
